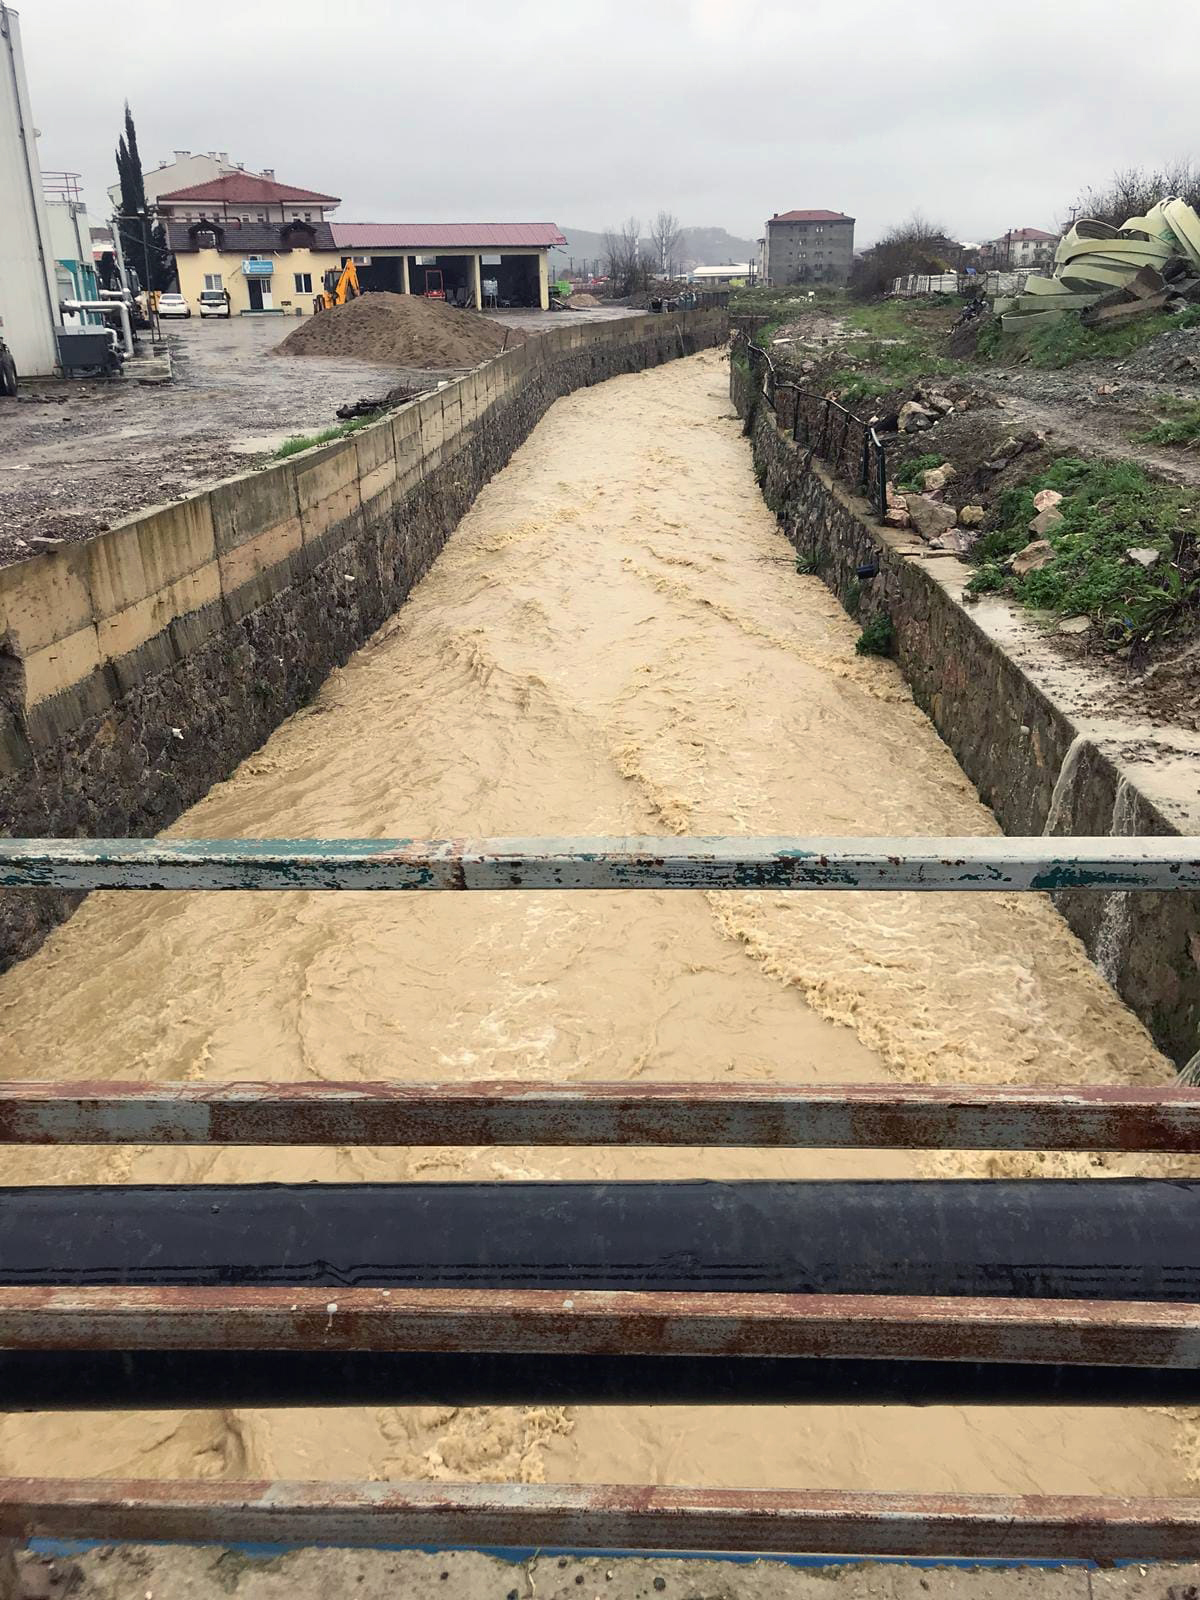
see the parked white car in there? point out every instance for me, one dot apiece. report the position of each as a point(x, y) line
point(213, 303)
point(173, 305)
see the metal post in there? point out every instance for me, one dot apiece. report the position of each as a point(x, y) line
point(151, 309)
point(881, 467)
point(120, 253)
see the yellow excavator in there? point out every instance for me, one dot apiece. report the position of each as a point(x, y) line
point(338, 288)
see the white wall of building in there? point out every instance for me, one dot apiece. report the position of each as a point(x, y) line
point(28, 294)
point(185, 171)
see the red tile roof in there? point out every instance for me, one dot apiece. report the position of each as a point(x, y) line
point(811, 216)
point(1038, 234)
point(243, 188)
point(445, 235)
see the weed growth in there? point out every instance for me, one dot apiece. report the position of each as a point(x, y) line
point(1064, 340)
point(1108, 509)
point(1180, 423)
point(911, 474)
point(878, 638)
point(293, 447)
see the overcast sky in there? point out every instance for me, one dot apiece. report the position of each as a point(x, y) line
point(987, 117)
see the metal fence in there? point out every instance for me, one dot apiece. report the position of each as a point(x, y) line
point(849, 445)
point(73, 1333)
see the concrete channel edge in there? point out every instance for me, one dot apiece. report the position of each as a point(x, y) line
point(137, 669)
point(989, 683)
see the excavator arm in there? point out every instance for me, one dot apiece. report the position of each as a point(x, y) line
point(339, 288)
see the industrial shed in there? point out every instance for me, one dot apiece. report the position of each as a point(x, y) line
point(481, 263)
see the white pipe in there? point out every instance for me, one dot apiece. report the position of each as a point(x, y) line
point(106, 305)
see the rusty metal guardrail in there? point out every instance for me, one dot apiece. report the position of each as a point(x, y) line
point(998, 864)
point(611, 1517)
point(94, 1318)
point(848, 444)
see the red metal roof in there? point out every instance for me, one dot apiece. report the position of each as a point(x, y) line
point(445, 235)
point(243, 188)
point(811, 216)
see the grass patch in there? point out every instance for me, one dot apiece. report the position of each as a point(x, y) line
point(786, 302)
point(1064, 340)
point(1180, 423)
point(878, 638)
point(305, 441)
point(1108, 508)
point(902, 347)
point(880, 366)
point(910, 475)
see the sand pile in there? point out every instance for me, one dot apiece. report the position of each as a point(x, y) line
point(583, 299)
point(400, 330)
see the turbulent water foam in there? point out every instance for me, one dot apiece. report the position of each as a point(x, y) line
point(616, 640)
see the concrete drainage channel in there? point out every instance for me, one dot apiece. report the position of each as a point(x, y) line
point(140, 667)
point(1019, 720)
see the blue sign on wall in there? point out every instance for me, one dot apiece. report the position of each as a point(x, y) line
point(258, 269)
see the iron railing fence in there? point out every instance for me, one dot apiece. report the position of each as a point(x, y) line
point(848, 444)
point(90, 1318)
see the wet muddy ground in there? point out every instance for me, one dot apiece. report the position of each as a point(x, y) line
point(77, 457)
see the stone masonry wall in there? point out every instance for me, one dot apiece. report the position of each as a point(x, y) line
point(138, 669)
point(1009, 736)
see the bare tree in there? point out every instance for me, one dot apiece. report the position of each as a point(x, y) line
point(665, 236)
point(627, 267)
point(913, 246)
point(1132, 192)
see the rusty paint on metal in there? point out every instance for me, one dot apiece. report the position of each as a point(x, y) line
point(787, 863)
point(633, 1517)
point(491, 1112)
point(604, 1322)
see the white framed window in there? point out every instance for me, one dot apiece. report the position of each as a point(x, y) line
point(308, 216)
point(303, 282)
point(262, 216)
point(212, 280)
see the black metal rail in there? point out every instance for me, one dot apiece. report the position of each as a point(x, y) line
point(846, 443)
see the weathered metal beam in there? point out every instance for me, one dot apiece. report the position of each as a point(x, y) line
point(627, 1517)
point(591, 1322)
point(972, 864)
point(490, 1112)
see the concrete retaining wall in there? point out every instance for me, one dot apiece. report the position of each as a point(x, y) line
point(1039, 765)
point(138, 669)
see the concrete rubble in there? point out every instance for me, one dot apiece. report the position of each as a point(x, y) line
point(1112, 276)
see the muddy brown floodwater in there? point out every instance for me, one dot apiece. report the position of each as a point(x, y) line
point(616, 640)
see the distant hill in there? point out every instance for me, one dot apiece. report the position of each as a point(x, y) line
point(700, 247)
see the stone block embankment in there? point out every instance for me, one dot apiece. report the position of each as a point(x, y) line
point(138, 669)
point(1017, 719)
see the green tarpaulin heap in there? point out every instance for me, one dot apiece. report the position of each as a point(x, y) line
point(1113, 274)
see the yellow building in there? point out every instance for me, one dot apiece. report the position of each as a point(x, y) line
point(264, 267)
point(271, 267)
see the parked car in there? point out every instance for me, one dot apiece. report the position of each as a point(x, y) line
point(214, 303)
point(173, 305)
